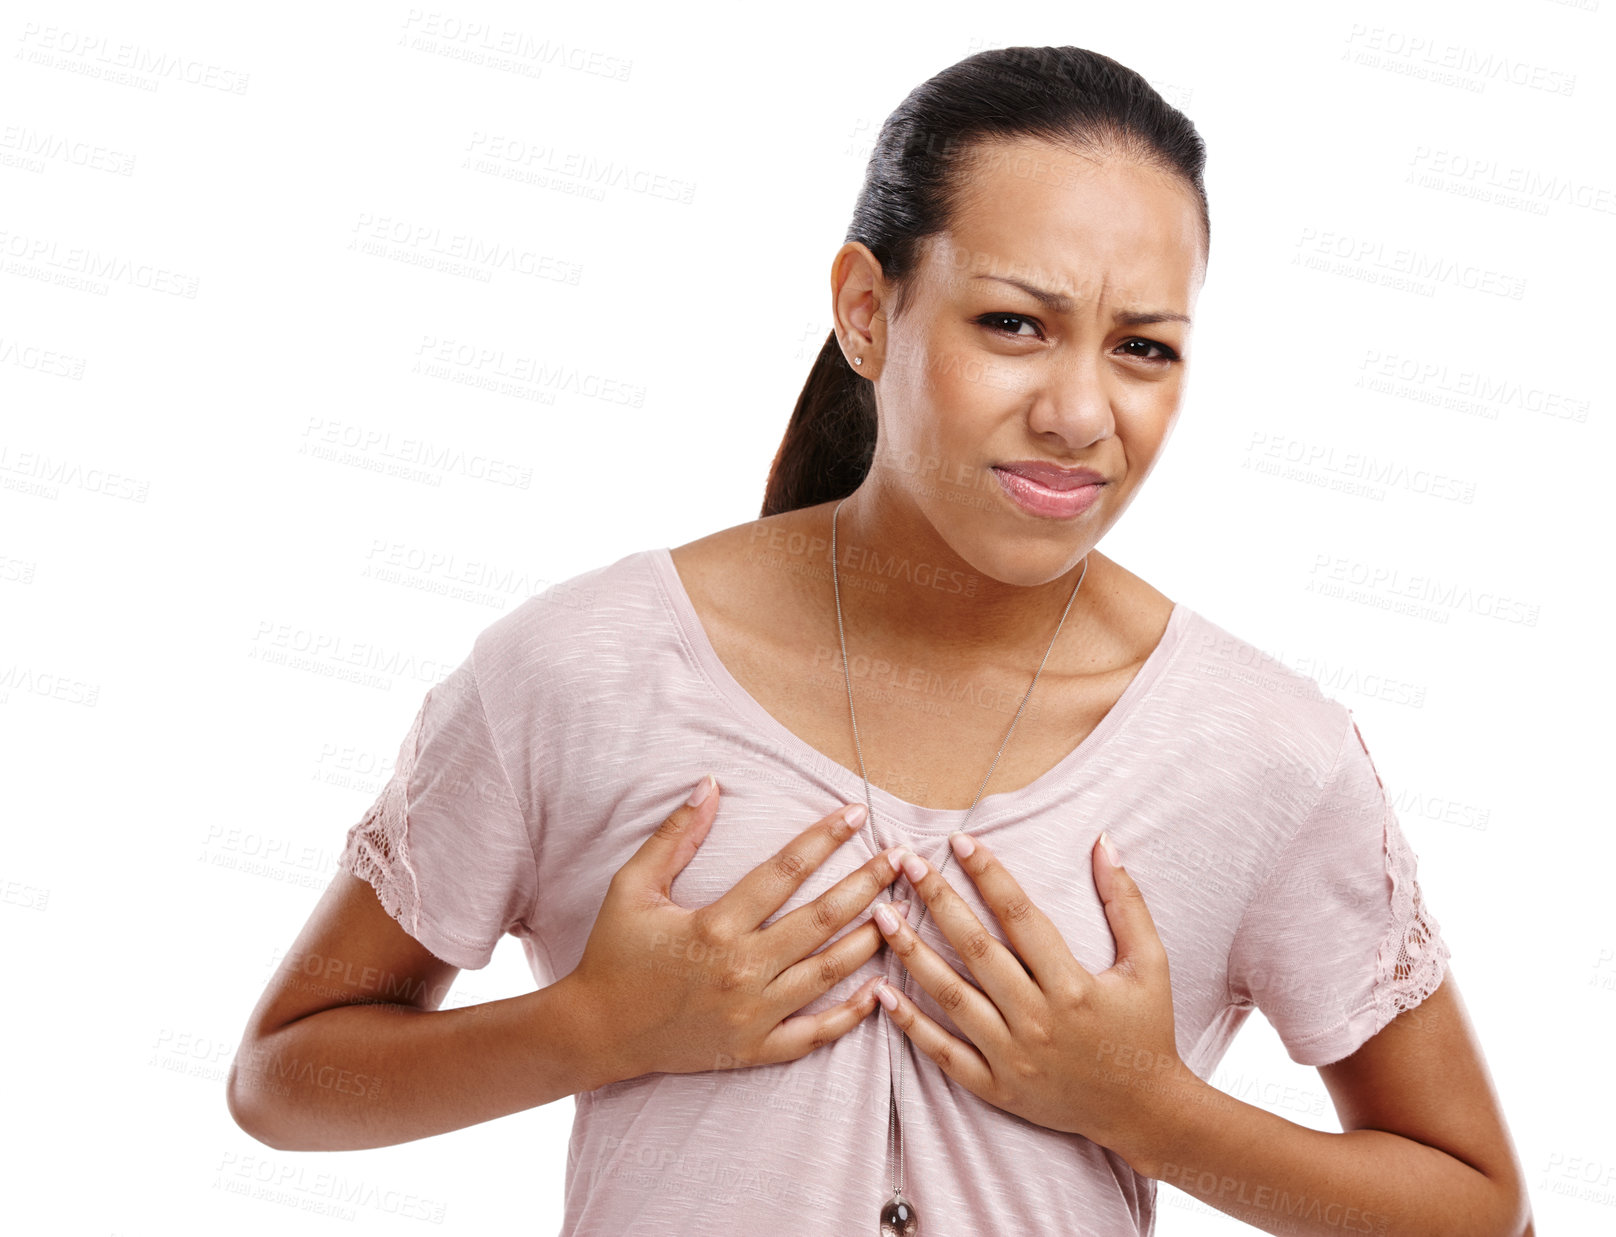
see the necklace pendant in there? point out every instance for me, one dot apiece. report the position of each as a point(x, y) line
point(898, 1218)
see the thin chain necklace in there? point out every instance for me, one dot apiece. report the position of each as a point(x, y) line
point(898, 1216)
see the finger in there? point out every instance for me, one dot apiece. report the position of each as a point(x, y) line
point(673, 843)
point(1032, 934)
point(972, 1011)
point(805, 929)
point(956, 1058)
point(800, 1034)
point(997, 970)
point(818, 973)
point(764, 889)
point(1139, 946)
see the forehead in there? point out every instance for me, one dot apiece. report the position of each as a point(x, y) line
point(1092, 228)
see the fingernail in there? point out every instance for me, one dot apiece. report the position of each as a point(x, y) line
point(895, 858)
point(703, 788)
point(885, 919)
point(886, 995)
point(1110, 850)
point(964, 844)
point(855, 814)
point(914, 867)
point(900, 908)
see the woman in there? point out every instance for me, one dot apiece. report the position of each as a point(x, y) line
point(1169, 843)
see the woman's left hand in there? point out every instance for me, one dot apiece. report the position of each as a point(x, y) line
point(1050, 1041)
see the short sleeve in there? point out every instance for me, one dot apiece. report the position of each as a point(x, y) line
point(1337, 941)
point(446, 844)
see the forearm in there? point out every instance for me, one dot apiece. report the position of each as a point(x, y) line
point(1285, 1178)
point(376, 1074)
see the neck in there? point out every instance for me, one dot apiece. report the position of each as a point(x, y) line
point(902, 582)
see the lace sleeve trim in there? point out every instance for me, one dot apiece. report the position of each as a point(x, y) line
point(1413, 956)
point(378, 849)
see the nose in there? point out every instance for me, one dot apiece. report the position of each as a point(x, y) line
point(1074, 400)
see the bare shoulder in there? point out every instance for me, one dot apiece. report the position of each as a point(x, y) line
point(1133, 611)
point(721, 548)
point(724, 571)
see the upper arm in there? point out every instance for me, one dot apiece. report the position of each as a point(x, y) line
point(350, 951)
point(1423, 1076)
point(438, 868)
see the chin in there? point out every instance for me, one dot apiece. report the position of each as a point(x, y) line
point(1023, 562)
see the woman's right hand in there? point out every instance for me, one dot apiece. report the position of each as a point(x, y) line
point(675, 990)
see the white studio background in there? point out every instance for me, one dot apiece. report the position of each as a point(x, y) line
point(272, 456)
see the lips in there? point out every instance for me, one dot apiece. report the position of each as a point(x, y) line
point(1052, 476)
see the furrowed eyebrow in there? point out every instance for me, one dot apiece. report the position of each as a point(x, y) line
point(1146, 317)
point(1061, 304)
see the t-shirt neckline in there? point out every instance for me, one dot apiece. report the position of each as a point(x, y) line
point(912, 816)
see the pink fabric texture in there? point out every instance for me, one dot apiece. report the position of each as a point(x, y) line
point(1243, 801)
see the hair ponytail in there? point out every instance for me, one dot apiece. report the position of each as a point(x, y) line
point(913, 184)
point(830, 439)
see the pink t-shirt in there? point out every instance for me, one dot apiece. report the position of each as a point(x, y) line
point(1242, 800)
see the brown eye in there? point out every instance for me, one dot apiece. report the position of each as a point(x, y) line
point(1167, 355)
point(993, 321)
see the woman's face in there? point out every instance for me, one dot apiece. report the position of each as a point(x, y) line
point(979, 370)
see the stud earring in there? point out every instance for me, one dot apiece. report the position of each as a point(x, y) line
point(858, 360)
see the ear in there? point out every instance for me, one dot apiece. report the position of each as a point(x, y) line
point(858, 298)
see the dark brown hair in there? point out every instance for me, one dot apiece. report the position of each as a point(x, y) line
point(916, 179)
